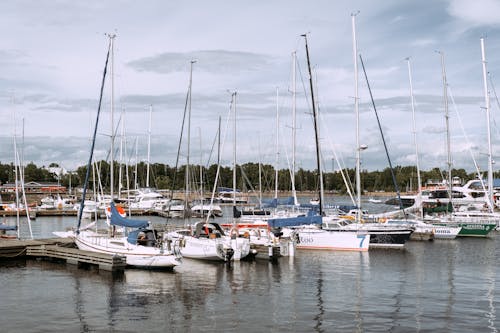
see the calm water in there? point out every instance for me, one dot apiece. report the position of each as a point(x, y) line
point(440, 286)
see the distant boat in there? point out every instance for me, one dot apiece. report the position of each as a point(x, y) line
point(3, 231)
point(314, 201)
point(372, 200)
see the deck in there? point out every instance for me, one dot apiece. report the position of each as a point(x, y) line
point(60, 249)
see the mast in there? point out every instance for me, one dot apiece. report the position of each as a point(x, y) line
point(16, 182)
point(356, 111)
point(21, 172)
point(233, 102)
point(294, 125)
point(318, 162)
point(136, 184)
point(260, 177)
point(201, 173)
point(111, 166)
point(447, 120)
point(186, 195)
point(87, 174)
point(421, 211)
point(149, 144)
point(277, 147)
point(488, 118)
point(122, 135)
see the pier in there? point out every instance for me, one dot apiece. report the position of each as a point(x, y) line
point(60, 249)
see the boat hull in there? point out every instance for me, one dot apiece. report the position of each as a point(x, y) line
point(389, 239)
point(475, 229)
point(321, 239)
point(205, 249)
point(446, 232)
point(138, 256)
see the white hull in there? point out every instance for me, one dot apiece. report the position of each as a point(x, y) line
point(203, 210)
point(136, 255)
point(203, 248)
point(323, 239)
point(444, 232)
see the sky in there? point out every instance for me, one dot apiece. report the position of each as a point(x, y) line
point(52, 56)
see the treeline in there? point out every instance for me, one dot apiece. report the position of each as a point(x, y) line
point(163, 176)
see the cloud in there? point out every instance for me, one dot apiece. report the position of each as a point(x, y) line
point(213, 61)
point(476, 13)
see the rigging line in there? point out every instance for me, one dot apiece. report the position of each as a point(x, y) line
point(488, 201)
point(174, 178)
point(212, 149)
point(383, 138)
point(340, 164)
point(496, 99)
point(306, 96)
point(217, 173)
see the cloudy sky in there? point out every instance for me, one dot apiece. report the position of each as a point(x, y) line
point(52, 56)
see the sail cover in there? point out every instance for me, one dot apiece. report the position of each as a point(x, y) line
point(117, 219)
point(310, 218)
point(7, 227)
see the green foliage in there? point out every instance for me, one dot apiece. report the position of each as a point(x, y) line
point(162, 176)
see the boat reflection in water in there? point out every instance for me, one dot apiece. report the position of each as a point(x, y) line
point(429, 286)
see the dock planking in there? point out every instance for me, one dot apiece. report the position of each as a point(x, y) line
point(62, 249)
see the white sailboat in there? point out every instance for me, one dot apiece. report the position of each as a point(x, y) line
point(207, 241)
point(141, 245)
point(310, 230)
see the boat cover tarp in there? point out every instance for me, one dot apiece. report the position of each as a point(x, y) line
point(226, 189)
point(117, 219)
point(147, 240)
point(310, 218)
point(344, 208)
point(7, 227)
point(275, 202)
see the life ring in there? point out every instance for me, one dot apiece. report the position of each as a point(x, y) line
point(382, 220)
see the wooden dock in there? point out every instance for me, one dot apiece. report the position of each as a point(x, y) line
point(61, 249)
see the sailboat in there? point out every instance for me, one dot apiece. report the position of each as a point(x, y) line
point(141, 245)
point(382, 235)
point(309, 229)
point(475, 224)
point(206, 241)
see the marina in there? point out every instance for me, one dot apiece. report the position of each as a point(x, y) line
point(447, 285)
point(277, 172)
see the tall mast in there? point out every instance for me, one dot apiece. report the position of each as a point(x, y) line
point(233, 101)
point(488, 118)
point(136, 184)
point(356, 111)
point(421, 211)
point(260, 176)
point(149, 144)
point(201, 171)
point(87, 173)
point(294, 126)
point(186, 195)
point(318, 162)
point(16, 181)
point(277, 146)
point(111, 166)
point(122, 136)
point(447, 119)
